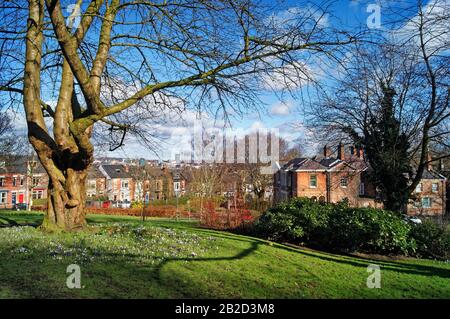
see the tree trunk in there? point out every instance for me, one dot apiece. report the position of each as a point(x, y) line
point(66, 201)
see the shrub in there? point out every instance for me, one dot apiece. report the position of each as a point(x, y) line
point(336, 227)
point(433, 240)
point(295, 221)
point(370, 230)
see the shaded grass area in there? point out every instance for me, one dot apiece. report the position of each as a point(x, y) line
point(121, 257)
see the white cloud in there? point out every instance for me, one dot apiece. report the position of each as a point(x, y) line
point(281, 108)
point(292, 77)
point(436, 27)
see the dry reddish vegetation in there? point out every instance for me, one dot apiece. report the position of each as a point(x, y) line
point(219, 218)
point(211, 217)
point(164, 211)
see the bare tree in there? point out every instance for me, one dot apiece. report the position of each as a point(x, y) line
point(121, 63)
point(6, 136)
point(408, 68)
point(206, 181)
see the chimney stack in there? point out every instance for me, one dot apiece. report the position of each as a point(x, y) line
point(429, 159)
point(360, 153)
point(326, 151)
point(341, 154)
point(352, 150)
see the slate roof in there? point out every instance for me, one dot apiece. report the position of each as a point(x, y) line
point(94, 172)
point(329, 162)
point(427, 174)
point(294, 163)
point(18, 165)
point(318, 163)
point(116, 171)
point(315, 163)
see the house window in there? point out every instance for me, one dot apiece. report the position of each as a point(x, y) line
point(92, 185)
point(35, 181)
point(419, 188)
point(38, 194)
point(22, 180)
point(344, 182)
point(426, 202)
point(125, 184)
point(176, 186)
point(2, 181)
point(313, 181)
point(14, 181)
point(361, 189)
point(283, 179)
point(435, 187)
point(3, 197)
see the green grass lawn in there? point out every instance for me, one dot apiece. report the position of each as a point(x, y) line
point(121, 257)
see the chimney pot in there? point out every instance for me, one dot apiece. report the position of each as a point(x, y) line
point(326, 151)
point(429, 165)
point(360, 153)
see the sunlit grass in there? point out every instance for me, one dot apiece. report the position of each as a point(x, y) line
point(122, 257)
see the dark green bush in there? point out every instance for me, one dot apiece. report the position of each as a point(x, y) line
point(369, 230)
point(295, 221)
point(336, 227)
point(433, 240)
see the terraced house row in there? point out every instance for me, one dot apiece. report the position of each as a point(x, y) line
point(24, 182)
point(334, 176)
point(21, 182)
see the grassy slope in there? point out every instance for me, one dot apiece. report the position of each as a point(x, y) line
point(175, 260)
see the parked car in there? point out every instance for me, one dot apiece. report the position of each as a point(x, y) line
point(20, 206)
point(124, 204)
point(106, 204)
point(413, 219)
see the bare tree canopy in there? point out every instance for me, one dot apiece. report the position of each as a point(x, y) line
point(411, 61)
point(120, 63)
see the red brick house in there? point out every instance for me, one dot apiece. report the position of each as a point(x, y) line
point(95, 183)
point(21, 182)
point(325, 178)
point(429, 197)
point(119, 182)
point(331, 179)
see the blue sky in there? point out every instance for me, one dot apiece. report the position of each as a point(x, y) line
point(277, 110)
point(283, 112)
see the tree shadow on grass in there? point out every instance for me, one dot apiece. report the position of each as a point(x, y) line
point(402, 267)
point(12, 223)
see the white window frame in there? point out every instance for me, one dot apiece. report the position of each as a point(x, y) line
point(345, 180)
point(37, 194)
point(435, 187)
point(419, 188)
point(362, 189)
point(92, 184)
point(311, 179)
point(3, 197)
point(430, 202)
